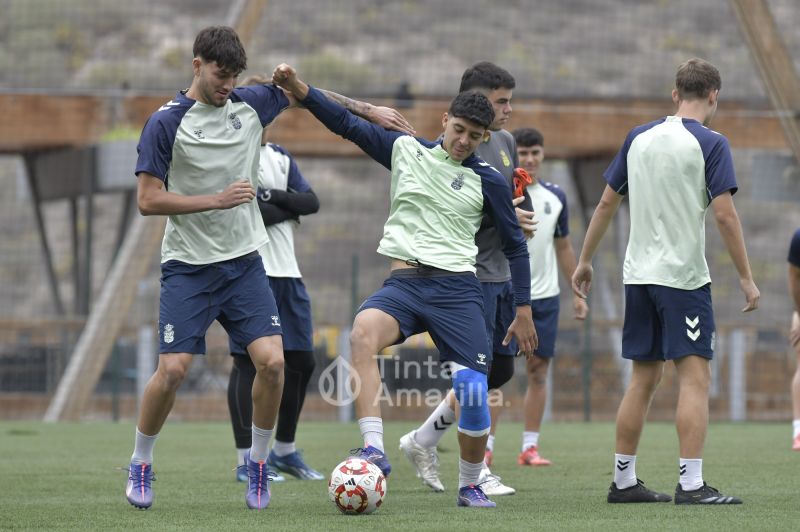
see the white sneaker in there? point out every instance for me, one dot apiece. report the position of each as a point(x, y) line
point(491, 485)
point(425, 460)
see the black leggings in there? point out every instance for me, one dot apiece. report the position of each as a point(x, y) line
point(501, 371)
point(298, 367)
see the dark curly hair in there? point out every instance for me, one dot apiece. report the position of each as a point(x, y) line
point(473, 106)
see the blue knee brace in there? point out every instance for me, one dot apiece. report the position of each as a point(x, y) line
point(472, 394)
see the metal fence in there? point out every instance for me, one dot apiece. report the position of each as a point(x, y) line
point(599, 52)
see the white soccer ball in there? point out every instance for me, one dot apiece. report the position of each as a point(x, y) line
point(357, 486)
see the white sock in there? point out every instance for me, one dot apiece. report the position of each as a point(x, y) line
point(143, 448)
point(432, 430)
point(691, 473)
point(529, 439)
point(260, 445)
point(282, 448)
point(490, 443)
point(796, 426)
point(372, 431)
point(243, 454)
point(468, 473)
point(624, 470)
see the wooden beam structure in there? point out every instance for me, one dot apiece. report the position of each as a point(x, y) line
point(246, 17)
point(774, 64)
point(40, 121)
point(107, 318)
point(574, 128)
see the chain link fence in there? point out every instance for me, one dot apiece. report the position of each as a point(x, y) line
point(60, 242)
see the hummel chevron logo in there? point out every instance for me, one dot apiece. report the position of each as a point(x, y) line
point(683, 469)
point(441, 424)
point(622, 466)
point(171, 103)
point(693, 334)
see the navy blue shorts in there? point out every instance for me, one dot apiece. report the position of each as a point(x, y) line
point(294, 308)
point(663, 323)
point(449, 307)
point(545, 318)
point(499, 312)
point(234, 292)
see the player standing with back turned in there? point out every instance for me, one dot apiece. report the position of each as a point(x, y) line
point(672, 170)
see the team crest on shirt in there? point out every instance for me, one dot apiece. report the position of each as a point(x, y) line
point(235, 122)
point(547, 208)
point(504, 156)
point(169, 333)
point(458, 182)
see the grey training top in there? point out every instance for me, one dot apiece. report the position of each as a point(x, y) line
point(500, 151)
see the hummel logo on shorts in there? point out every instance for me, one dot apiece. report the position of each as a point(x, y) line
point(693, 332)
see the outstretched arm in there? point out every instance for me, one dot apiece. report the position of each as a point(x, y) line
point(730, 228)
point(374, 140)
point(386, 117)
point(603, 214)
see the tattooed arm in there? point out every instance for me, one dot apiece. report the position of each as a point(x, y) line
point(386, 117)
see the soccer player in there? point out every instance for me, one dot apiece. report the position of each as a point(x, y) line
point(499, 150)
point(283, 196)
point(794, 333)
point(550, 252)
point(439, 193)
point(672, 169)
point(198, 165)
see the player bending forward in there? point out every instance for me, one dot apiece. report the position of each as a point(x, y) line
point(439, 193)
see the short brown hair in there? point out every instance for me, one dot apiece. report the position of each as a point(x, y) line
point(221, 44)
point(696, 78)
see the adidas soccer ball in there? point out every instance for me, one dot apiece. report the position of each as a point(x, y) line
point(357, 486)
